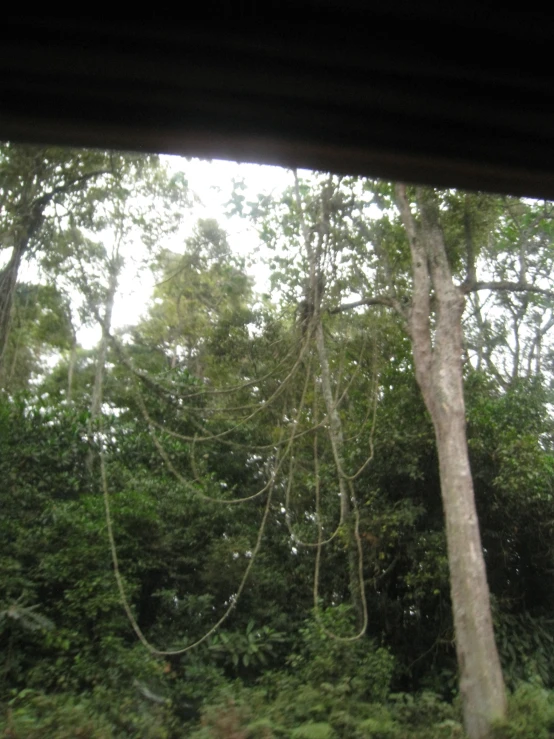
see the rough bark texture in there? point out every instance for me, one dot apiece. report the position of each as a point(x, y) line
point(438, 364)
point(8, 282)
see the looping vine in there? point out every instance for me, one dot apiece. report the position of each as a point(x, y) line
point(312, 346)
point(121, 587)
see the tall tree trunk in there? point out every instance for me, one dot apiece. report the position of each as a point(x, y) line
point(98, 387)
point(438, 364)
point(71, 368)
point(8, 282)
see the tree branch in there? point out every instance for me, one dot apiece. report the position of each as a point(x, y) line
point(45, 199)
point(506, 286)
point(387, 300)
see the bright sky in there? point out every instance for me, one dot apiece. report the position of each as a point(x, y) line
point(212, 182)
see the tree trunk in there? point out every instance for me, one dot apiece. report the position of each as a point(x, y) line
point(71, 368)
point(481, 681)
point(438, 365)
point(336, 437)
point(98, 387)
point(8, 282)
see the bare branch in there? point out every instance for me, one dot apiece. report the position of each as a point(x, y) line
point(387, 300)
point(506, 286)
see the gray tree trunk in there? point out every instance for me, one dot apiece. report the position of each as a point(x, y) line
point(438, 364)
point(98, 387)
point(8, 282)
point(71, 368)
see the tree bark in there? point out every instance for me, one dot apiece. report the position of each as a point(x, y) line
point(98, 387)
point(71, 367)
point(8, 282)
point(438, 364)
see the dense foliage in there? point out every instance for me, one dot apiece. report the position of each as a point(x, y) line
point(218, 394)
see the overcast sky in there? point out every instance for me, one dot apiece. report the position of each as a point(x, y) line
point(212, 182)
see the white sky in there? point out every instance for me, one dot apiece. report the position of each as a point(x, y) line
point(212, 182)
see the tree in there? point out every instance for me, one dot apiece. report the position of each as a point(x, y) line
point(132, 212)
point(336, 417)
point(438, 353)
point(39, 188)
point(509, 331)
point(41, 328)
point(201, 305)
point(431, 310)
